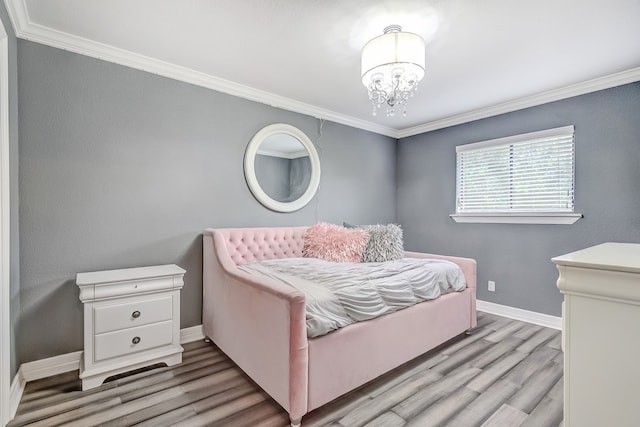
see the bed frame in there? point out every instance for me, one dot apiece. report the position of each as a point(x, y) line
point(261, 324)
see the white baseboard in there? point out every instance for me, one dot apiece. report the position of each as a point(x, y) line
point(15, 394)
point(51, 366)
point(194, 333)
point(546, 320)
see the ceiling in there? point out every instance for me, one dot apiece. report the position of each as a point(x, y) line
point(484, 57)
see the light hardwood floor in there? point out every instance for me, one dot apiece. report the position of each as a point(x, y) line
point(506, 374)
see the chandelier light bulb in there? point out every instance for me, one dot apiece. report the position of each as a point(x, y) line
point(392, 66)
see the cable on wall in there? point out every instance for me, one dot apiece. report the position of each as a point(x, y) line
point(319, 150)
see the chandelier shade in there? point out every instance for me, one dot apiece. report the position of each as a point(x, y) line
point(392, 65)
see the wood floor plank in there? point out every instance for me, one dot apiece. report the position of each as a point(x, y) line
point(527, 331)
point(505, 373)
point(498, 323)
point(534, 390)
point(506, 331)
point(155, 377)
point(207, 372)
point(331, 413)
point(555, 342)
point(506, 416)
point(229, 389)
point(102, 417)
point(468, 339)
point(388, 419)
point(68, 417)
point(211, 402)
point(194, 346)
point(531, 364)
point(425, 397)
point(484, 405)
point(484, 319)
point(537, 339)
point(495, 371)
point(53, 382)
point(494, 352)
point(557, 391)
point(445, 408)
point(58, 395)
point(220, 412)
point(256, 415)
point(40, 399)
point(186, 366)
point(547, 413)
point(394, 378)
point(382, 403)
point(461, 357)
point(43, 412)
point(100, 393)
point(559, 359)
point(170, 418)
point(278, 420)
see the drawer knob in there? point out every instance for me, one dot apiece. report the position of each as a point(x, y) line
point(135, 314)
point(135, 340)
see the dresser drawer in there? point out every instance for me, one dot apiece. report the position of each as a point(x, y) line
point(114, 317)
point(133, 340)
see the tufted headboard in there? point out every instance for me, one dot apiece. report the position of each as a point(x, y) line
point(257, 244)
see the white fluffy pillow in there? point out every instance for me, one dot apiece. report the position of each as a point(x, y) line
point(385, 243)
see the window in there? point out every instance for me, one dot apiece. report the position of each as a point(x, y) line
point(525, 178)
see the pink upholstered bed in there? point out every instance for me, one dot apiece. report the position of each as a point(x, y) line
point(260, 323)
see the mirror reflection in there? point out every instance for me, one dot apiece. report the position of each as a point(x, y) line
point(283, 167)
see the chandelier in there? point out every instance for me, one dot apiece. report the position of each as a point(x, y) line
point(392, 66)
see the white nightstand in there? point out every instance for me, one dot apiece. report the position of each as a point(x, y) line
point(131, 320)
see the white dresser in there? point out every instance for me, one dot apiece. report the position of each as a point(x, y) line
point(131, 320)
point(601, 316)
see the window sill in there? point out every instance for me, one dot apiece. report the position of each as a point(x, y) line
point(517, 218)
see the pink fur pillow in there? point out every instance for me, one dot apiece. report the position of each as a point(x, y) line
point(332, 242)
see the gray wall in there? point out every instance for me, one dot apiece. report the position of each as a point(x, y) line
point(121, 168)
point(517, 257)
point(13, 182)
point(284, 180)
point(272, 174)
point(299, 177)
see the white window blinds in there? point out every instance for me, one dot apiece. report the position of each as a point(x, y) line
point(532, 172)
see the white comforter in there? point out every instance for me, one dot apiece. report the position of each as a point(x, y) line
point(338, 294)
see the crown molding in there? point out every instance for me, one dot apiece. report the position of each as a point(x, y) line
point(600, 83)
point(25, 29)
point(18, 15)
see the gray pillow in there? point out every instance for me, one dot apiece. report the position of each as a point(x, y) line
point(385, 243)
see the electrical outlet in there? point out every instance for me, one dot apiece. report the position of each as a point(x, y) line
point(491, 286)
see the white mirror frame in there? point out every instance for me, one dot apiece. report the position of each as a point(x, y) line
point(252, 179)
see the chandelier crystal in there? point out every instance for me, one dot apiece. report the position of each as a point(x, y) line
point(392, 66)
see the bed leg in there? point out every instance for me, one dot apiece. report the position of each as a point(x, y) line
point(296, 423)
point(207, 340)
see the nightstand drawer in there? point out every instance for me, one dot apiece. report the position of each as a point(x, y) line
point(114, 317)
point(133, 340)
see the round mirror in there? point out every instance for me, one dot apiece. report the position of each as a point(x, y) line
point(282, 168)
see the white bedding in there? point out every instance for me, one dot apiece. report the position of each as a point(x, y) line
point(338, 294)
